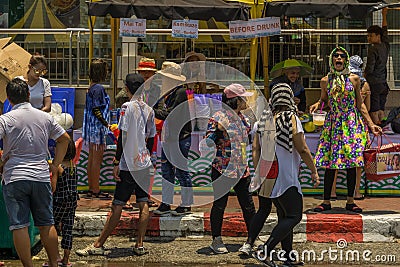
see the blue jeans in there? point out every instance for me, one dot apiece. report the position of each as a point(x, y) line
point(24, 197)
point(169, 172)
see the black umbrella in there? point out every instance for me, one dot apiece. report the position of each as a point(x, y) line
point(320, 8)
point(170, 9)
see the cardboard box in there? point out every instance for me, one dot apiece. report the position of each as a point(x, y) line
point(14, 61)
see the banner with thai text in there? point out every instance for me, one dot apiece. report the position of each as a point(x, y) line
point(240, 29)
point(132, 27)
point(185, 28)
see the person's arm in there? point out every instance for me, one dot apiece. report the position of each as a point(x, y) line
point(385, 37)
point(61, 149)
point(97, 113)
point(179, 97)
point(118, 155)
point(46, 104)
point(366, 94)
point(301, 147)
point(303, 101)
point(46, 95)
point(256, 151)
point(323, 97)
point(355, 79)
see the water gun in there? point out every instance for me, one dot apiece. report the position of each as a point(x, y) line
point(114, 133)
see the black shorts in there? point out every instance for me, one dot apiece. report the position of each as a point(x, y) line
point(137, 182)
point(379, 94)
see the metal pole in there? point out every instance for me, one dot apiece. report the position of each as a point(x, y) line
point(70, 58)
point(78, 57)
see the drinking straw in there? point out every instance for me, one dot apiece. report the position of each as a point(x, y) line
point(322, 107)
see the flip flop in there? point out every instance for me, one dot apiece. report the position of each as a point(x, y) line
point(360, 198)
point(102, 195)
point(127, 206)
point(354, 208)
point(89, 195)
point(323, 207)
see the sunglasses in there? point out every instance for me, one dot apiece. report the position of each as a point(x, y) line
point(38, 71)
point(336, 55)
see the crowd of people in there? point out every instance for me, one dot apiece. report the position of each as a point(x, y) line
point(355, 106)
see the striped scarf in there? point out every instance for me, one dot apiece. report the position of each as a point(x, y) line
point(281, 95)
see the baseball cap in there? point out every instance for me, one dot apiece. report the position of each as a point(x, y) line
point(133, 81)
point(236, 89)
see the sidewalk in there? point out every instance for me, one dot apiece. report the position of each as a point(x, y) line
point(380, 221)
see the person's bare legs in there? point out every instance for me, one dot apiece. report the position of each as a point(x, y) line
point(381, 114)
point(143, 221)
point(65, 259)
point(89, 168)
point(111, 223)
point(375, 117)
point(22, 246)
point(357, 193)
point(49, 238)
point(333, 193)
point(95, 162)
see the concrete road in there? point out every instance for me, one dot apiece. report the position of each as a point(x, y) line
point(194, 251)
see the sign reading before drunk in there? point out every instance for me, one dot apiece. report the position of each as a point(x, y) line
point(185, 28)
point(132, 27)
point(240, 29)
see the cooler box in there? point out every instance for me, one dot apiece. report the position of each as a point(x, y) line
point(6, 238)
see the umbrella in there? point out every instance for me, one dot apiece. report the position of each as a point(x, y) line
point(276, 71)
point(320, 8)
point(170, 9)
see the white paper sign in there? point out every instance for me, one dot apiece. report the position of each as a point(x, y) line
point(240, 29)
point(185, 29)
point(132, 27)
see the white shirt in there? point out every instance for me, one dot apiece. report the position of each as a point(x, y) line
point(136, 124)
point(25, 132)
point(39, 91)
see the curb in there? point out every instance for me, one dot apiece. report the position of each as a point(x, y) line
point(323, 228)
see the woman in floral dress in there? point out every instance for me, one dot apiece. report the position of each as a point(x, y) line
point(344, 135)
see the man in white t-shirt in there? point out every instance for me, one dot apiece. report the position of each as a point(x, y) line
point(132, 166)
point(26, 178)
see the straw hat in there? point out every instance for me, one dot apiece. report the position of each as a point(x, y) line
point(172, 70)
point(147, 64)
point(190, 54)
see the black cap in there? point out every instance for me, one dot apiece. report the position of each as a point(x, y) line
point(133, 81)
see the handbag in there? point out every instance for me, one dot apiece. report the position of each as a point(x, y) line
point(383, 161)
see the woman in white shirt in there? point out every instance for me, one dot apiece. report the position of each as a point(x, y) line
point(39, 87)
point(286, 192)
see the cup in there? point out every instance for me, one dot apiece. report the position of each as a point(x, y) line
point(319, 117)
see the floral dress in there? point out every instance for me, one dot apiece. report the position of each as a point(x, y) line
point(344, 135)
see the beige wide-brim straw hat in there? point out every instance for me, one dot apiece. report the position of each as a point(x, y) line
point(146, 64)
point(190, 54)
point(172, 70)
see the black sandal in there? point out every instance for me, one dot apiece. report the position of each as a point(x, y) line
point(323, 207)
point(354, 208)
point(102, 195)
point(89, 195)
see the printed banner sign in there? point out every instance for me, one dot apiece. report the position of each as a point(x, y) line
point(240, 29)
point(185, 29)
point(388, 162)
point(132, 27)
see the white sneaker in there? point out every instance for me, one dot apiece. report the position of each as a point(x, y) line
point(218, 246)
point(246, 249)
point(90, 250)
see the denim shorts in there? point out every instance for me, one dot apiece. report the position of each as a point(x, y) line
point(379, 93)
point(22, 198)
point(137, 182)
